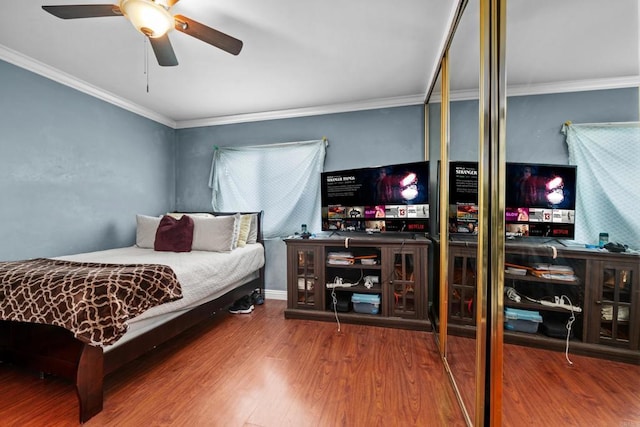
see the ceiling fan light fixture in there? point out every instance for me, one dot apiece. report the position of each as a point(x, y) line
point(148, 17)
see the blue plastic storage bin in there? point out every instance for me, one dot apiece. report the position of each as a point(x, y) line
point(366, 303)
point(521, 320)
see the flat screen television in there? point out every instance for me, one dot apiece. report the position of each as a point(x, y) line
point(391, 198)
point(540, 199)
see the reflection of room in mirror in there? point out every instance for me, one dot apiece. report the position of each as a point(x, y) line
point(545, 87)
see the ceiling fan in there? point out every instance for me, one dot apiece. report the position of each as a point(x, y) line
point(152, 18)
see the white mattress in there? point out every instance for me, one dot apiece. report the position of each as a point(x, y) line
point(203, 277)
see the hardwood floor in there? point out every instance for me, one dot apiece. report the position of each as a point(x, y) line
point(263, 370)
point(540, 388)
point(258, 370)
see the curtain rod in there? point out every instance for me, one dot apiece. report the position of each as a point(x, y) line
point(629, 124)
point(277, 144)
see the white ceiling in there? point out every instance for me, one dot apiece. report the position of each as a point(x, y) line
point(296, 54)
point(555, 46)
point(304, 58)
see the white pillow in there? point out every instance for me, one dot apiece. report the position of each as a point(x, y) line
point(236, 229)
point(253, 230)
point(146, 227)
point(245, 227)
point(215, 234)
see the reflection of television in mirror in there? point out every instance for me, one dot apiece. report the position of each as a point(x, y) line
point(392, 198)
point(463, 198)
point(540, 199)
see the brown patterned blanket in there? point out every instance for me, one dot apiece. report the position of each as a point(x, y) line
point(92, 300)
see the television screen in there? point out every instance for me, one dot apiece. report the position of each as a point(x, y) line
point(377, 199)
point(463, 197)
point(540, 199)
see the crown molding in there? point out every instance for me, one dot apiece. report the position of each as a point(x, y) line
point(549, 88)
point(37, 67)
point(574, 86)
point(400, 101)
point(61, 77)
point(30, 64)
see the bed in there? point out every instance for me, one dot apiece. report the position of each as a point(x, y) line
point(207, 281)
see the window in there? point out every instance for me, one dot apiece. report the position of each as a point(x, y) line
point(283, 180)
point(608, 190)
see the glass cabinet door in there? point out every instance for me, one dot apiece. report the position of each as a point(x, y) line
point(404, 296)
point(617, 326)
point(306, 277)
point(462, 289)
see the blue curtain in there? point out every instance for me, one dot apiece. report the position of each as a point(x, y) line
point(283, 180)
point(608, 189)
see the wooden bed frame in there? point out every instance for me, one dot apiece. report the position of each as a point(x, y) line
point(54, 350)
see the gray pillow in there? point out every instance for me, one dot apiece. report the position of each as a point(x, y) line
point(214, 234)
point(146, 227)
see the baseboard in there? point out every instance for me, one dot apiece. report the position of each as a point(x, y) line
point(275, 294)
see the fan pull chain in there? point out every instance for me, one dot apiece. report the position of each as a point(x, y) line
point(146, 61)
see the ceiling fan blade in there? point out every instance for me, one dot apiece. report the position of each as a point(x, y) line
point(171, 3)
point(83, 10)
point(164, 51)
point(208, 34)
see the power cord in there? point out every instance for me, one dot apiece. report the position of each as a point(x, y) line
point(572, 319)
point(334, 299)
point(513, 295)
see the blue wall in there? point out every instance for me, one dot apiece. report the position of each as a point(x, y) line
point(74, 170)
